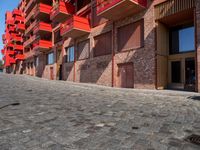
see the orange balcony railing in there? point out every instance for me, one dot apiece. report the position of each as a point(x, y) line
point(42, 10)
point(19, 57)
point(16, 37)
point(11, 59)
point(42, 45)
point(61, 11)
point(2, 51)
point(42, 27)
point(116, 9)
point(10, 45)
point(75, 27)
point(20, 27)
point(11, 29)
point(17, 12)
point(18, 19)
point(18, 47)
point(10, 52)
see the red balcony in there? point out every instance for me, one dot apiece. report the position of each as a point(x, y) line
point(18, 47)
point(116, 9)
point(61, 11)
point(20, 27)
point(10, 22)
point(18, 19)
point(12, 60)
point(10, 45)
point(2, 51)
point(19, 57)
point(17, 12)
point(3, 37)
point(42, 27)
point(42, 45)
point(10, 52)
point(43, 11)
point(11, 29)
point(75, 27)
point(16, 37)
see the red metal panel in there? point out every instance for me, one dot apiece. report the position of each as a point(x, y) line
point(62, 8)
point(19, 57)
point(43, 27)
point(76, 25)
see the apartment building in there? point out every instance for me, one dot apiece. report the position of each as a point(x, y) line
point(151, 44)
point(13, 41)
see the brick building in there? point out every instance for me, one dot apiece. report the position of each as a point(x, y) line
point(152, 44)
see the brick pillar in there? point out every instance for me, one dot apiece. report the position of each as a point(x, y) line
point(197, 28)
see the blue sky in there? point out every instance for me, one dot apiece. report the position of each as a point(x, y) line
point(5, 5)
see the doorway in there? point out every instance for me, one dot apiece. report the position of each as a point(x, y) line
point(59, 64)
point(125, 75)
point(190, 74)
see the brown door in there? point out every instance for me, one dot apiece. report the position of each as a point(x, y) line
point(51, 73)
point(125, 75)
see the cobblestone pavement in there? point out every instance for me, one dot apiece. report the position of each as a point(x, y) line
point(60, 115)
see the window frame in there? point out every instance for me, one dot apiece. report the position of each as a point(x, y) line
point(178, 29)
point(49, 54)
point(67, 56)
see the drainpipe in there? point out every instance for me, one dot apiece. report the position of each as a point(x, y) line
point(196, 59)
point(113, 55)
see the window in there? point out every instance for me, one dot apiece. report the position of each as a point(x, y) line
point(69, 54)
point(83, 50)
point(131, 36)
point(57, 36)
point(103, 44)
point(182, 40)
point(50, 58)
point(37, 61)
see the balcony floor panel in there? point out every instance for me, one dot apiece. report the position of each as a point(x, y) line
point(74, 33)
point(120, 10)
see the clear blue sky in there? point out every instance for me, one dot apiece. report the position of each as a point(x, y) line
point(5, 5)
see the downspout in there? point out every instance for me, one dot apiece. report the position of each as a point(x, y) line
point(196, 59)
point(113, 55)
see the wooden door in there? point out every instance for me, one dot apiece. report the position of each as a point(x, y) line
point(125, 75)
point(51, 73)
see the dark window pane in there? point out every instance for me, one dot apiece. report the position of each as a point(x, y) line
point(176, 71)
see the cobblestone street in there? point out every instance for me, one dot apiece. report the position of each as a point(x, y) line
point(60, 115)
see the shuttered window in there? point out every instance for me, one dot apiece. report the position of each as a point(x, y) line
point(103, 44)
point(83, 50)
point(69, 54)
point(131, 36)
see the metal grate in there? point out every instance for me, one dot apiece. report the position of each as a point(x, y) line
point(195, 139)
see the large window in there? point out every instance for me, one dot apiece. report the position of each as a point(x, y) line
point(182, 40)
point(103, 44)
point(69, 54)
point(50, 58)
point(131, 36)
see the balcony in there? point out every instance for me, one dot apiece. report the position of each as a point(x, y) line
point(18, 47)
point(16, 37)
point(20, 27)
point(2, 51)
point(10, 22)
point(11, 29)
point(18, 19)
point(19, 57)
point(10, 45)
point(28, 42)
point(17, 12)
point(75, 27)
point(43, 11)
point(10, 52)
point(12, 60)
point(116, 9)
point(61, 11)
point(42, 28)
point(3, 37)
point(30, 28)
point(180, 8)
point(42, 45)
